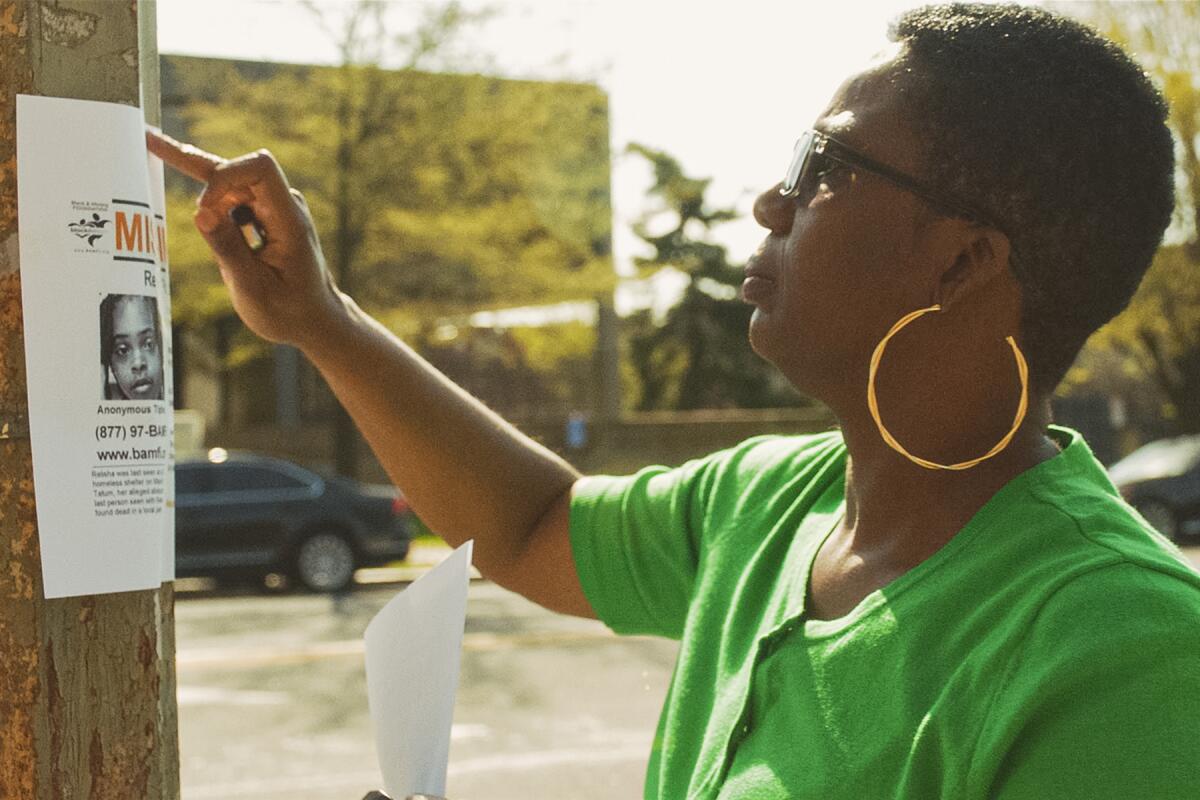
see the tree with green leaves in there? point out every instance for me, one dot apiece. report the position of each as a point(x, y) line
point(1156, 341)
point(698, 356)
point(436, 194)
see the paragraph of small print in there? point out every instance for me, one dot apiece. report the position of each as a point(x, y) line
point(127, 491)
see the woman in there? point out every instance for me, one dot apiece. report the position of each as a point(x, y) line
point(131, 347)
point(944, 597)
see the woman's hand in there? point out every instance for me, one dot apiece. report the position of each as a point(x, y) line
point(467, 473)
point(282, 291)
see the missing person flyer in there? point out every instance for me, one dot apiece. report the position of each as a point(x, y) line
point(96, 302)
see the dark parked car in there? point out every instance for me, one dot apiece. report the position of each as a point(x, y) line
point(1162, 481)
point(242, 515)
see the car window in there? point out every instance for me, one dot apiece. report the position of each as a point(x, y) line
point(242, 477)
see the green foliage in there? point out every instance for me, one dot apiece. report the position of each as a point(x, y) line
point(1155, 343)
point(196, 292)
point(698, 357)
point(434, 194)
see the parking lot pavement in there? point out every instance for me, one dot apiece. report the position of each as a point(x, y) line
point(272, 699)
point(422, 556)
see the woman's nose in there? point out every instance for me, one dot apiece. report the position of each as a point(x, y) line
point(774, 211)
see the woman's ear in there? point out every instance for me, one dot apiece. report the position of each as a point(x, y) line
point(981, 257)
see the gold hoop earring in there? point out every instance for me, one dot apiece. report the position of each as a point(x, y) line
point(873, 403)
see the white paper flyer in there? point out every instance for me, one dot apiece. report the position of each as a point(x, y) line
point(414, 651)
point(95, 296)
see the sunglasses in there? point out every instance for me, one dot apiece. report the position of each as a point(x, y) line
point(816, 154)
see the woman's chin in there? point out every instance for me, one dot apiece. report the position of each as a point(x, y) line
point(147, 391)
point(760, 333)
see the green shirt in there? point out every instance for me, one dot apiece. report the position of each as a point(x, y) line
point(1051, 649)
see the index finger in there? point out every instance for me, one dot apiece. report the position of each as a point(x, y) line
point(187, 158)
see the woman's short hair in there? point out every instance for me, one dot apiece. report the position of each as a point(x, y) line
point(1062, 139)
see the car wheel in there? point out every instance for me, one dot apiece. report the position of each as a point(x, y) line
point(1160, 516)
point(325, 562)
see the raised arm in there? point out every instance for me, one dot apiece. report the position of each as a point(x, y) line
point(466, 472)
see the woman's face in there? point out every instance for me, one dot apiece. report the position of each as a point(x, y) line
point(832, 274)
point(136, 352)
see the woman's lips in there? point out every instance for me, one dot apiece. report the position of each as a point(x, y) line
point(757, 289)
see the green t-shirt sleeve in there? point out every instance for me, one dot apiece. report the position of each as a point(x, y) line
point(639, 541)
point(1107, 704)
point(636, 545)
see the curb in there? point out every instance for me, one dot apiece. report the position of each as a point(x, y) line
point(421, 559)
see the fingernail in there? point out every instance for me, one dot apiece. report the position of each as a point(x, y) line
point(206, 220)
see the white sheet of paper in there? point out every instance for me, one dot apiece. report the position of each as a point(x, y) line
point(158, 201)
point(97, 323)
point(413, 654)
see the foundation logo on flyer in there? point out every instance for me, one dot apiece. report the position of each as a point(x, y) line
point(125, 230)
point(91, 225)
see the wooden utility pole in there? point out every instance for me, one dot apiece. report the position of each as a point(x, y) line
point(87, 684)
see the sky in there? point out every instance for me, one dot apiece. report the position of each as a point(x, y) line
point(725, 87)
